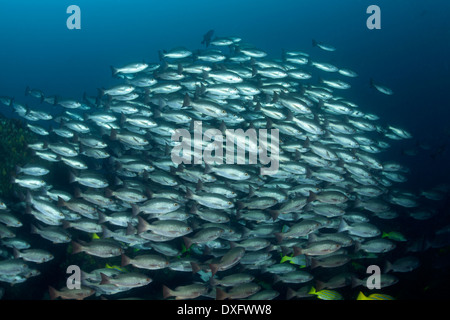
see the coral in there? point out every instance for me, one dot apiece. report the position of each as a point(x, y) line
point(14, 138)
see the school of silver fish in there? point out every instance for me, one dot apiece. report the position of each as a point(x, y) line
point(229, 231)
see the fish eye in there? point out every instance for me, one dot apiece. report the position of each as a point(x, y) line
point(229, 202)
point(223, 111)
point(246, 174)
point(175, 204)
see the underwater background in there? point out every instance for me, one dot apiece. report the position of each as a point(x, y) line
point(410, 54)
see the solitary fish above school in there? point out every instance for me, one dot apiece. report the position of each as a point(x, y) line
point(381, 88)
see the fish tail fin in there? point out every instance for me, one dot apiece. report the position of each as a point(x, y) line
point(314, 43)
point(125, 260)
point(101, 92)
point(387, 267)
point(214, 268)
point(343, 226)
point(285, 258)
point(130, 229)
point(101, 218)
point(356, 282)
point(240, 205)
point(312, 196)
point(361, 296)
point(66, 224)
point(189, 194)
point(34, 229)
point(61, 202)
point(16, 253)
point(220, 294)
point(114, 71)
point(160, 55)
point(53, 293)
point(113, 135)
point(313, 263)
point(108, 193)
point(105, 279)
point(142, 225)
point(106, 233)
point(319, 285)
point(208, 169)
point(290, 293)
point(166, 292)
point(274, 214)
point(72, 177)
point(186, 101)
point(195, 267)
point(76, 247)
point(279, 236)
point(297, 251)
point(187, 242)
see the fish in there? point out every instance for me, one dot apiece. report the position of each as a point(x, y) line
point(52, 233)
point(298, 276)
point(403, 264)
point(207, 38)
point(232, 280)
point(148, 262)
point(238, 292)
point(381, 88)
point(33, 255)
point(323, 46)
point(228, 260)
point(70, 294)
point(326, 294)
point(89, 179)
point(175, 53)
point(98, 247)
point(126, 280)
point(374, 296)
point(129, 68)
point(191, 291)
point(29, 182)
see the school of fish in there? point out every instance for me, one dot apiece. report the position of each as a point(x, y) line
point(227, 230)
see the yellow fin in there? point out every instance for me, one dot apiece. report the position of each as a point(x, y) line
point(285, 258)
point(95, 236)
point(361, 296)
point(115, 267)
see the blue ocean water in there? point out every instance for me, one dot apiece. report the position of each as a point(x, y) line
point(410, 53)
